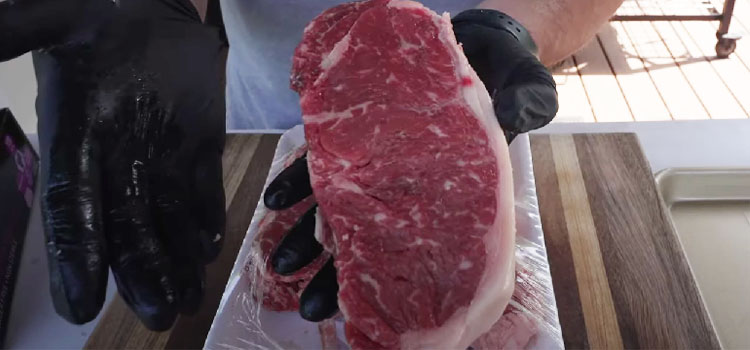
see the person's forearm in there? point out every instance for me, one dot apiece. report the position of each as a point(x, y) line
point(559, 27)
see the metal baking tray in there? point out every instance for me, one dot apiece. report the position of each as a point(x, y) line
point(710, 211)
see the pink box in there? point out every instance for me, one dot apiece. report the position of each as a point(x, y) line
point(19, 165)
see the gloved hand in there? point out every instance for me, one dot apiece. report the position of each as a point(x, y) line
point(503, 54)
point(131, 129)
point(524, 97)
point(299, 246)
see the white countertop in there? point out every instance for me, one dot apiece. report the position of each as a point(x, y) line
point(3, 100)
point(670, 144)
point(711, 143)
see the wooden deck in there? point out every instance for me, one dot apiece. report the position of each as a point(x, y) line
point(647, 71)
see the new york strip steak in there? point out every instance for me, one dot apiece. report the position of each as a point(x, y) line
point(412, 173)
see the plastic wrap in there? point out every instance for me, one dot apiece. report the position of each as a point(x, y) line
point(243, 322)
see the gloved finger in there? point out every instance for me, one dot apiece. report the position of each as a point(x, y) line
point(77, 257)
point(140, 263)
point(178, 229)
point(298, 247)
point(289, 187)
point(27, 25)
point(523, 91)
point(528, 101)
point(209, 204)
point(319, 299)
point(465, 37)
point(475, 41)
point(190, 277)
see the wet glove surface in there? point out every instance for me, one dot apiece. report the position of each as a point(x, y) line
point(131, 127)
point(524, 97)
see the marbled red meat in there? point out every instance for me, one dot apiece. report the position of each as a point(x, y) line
point(412, 173)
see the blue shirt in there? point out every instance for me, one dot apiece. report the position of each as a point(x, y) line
point(262, 37)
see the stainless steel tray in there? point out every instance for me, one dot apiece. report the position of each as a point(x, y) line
point(710, 210)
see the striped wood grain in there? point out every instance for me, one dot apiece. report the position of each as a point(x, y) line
point(596, 298)
point(621, 279)
point(620, 276)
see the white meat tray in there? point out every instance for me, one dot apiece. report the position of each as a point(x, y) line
point(241, 323)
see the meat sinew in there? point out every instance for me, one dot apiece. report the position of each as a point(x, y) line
point(411, 170)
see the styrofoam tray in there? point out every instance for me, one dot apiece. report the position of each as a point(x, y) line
point(241, 323)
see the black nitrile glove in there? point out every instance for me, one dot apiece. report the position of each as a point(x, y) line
point(299, 246)
point(131, 131)
point(523, 94)
point(503, 54)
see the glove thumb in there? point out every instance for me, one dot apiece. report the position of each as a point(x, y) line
point(528, 101)
point(27, 25)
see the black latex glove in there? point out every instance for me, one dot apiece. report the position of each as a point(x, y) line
point(131, 132)
point(299, 246)
point(524, 97)
point(502, 53)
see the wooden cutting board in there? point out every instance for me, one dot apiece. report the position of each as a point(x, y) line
point(620, 276)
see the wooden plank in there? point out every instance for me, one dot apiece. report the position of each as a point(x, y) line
point(704, 48)
point(678, 7)
point(643, 257)
point(629, 8)
point(574, 104)
point(671, 7)
point(741, 17)
point(119, 328)
point(732, 72)
point(678, 95)
point(601, 86)
point(740, 24)
point(655, 300)
point(644, 99)
point(596, 298)
point(556, 241)
point(712, 92)
point(742, 52)
point(242, 150)
point(189, 332)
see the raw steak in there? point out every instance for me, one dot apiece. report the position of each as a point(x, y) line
point(411, 171)
point(516, 329)
point(513, 331)
point(519, 324)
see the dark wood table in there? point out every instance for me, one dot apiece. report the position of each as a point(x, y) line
point(620, 276)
